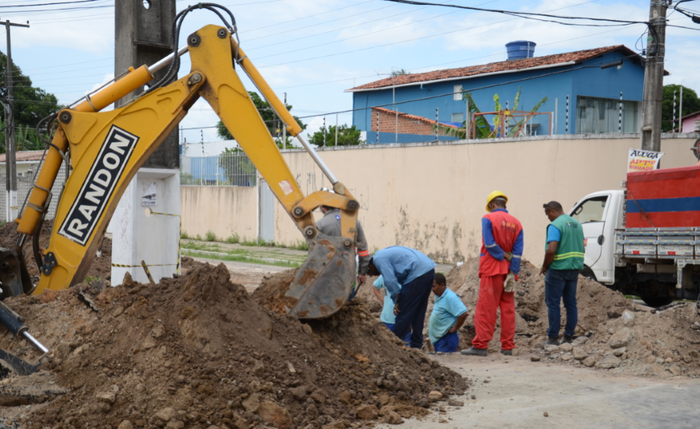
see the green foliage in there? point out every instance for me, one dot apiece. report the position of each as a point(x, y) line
point(300, 245)
point(233, 238)
point(210, 236)
point(400, 72)
point(691, 104)
point(347, 136)
point(483, 128)
point(30, 106)
point(90, 279)
point(186, 179)
point(273, 123)
point(184, 236)
point(257, 242)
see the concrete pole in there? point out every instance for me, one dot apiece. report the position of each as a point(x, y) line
point(680, 113)
point(10, 159)
point(654, 77)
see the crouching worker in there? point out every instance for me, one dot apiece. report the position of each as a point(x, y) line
point(449, 314)
point(387, 316)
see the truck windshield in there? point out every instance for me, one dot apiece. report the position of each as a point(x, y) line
point(590, 210)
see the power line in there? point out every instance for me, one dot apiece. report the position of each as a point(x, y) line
point(48, 4)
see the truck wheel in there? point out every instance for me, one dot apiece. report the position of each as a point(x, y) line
point(657, 299)
point(588, 272)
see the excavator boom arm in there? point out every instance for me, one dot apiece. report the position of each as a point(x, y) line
point(107, 149)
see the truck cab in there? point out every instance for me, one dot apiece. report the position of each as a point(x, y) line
point(600, 214)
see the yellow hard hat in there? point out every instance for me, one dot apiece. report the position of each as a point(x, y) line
point(492, 195)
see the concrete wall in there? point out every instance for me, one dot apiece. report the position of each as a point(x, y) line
point(223, 210)
point(432, 196)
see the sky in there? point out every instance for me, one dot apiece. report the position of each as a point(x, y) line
point(312, 51)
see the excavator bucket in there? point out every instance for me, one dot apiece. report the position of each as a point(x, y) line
point(14, 277)
point(325, 280)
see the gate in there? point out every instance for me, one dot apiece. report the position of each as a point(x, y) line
point(266, 212)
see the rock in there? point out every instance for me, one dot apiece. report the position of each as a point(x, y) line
point(650, 359)
point(609, 361)
point(384, 399)
point(366, 412)
point(546, 414)
point(392, 418)
point(126, 424)
point(566, 347)
point(534, 358)
point(579, 353)
point(455, 403)
point(621, 338)
point(166, 414)
point(675, 369)
point(48, 295)
point(275, 415)
point(434, 396)
point(175, 424)
point(258, 368)
point(589, 361)
point(251, 403)
point(319, 396)
point(566, 357)
point(580, 341)
point(338, 424)
point(106, 397)
point(628, 318)
point(619, 352)
point(345, 397)
point(551, 348)
point(299, 393)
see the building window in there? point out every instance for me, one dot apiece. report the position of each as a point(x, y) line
point(602, 115)
point(457, 93)
point(458, 117)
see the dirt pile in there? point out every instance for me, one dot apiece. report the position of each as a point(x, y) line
point(613, 332)
point(198, 352)
point(101, 266)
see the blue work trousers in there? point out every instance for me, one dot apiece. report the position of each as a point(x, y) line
point(413, 303)
point(558, 285)
point(447, 344)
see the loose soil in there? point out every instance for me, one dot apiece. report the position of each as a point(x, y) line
point(197, 351)
point(613, 332)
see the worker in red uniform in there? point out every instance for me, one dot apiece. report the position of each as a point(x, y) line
point(499, 265)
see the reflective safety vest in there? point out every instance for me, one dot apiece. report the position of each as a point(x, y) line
point(506, 229)
point(569, 254)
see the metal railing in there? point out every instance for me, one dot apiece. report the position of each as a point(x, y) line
point(228, 169)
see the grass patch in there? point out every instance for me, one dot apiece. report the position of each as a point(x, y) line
point(632, 297)
point(240, 258)
point(233, 238)
point(184, 236)
point(257, 242)
point(210, 236)
point(298, 245)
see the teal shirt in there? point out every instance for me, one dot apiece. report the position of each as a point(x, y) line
point(387, 315)
point(446, 310)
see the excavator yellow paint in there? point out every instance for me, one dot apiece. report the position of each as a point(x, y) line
point(107, 149)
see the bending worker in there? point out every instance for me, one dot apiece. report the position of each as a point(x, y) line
point(329, 224)
point(408, 276)
point(499, 262)
point(449, 314)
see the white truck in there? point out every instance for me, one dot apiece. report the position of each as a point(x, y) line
point(645, 240)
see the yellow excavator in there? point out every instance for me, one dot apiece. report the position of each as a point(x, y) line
point(104, 150)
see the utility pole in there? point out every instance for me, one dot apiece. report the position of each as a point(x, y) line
point(10, 158)
point(654, 77)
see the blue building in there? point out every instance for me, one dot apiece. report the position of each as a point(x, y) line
point(591, 91)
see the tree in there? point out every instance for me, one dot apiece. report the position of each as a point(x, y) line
point(400, 72)
point(239, 169)
point(30, 106)
point(691, 104)
point(273, 123)
point(347, 136)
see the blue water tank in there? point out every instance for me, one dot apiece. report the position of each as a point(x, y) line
point(520, 49)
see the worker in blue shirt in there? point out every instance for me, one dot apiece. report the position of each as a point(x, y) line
point(408, 277)
point(387, 316)
point(449, 314)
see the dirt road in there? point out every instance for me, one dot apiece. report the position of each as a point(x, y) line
point(514, 392)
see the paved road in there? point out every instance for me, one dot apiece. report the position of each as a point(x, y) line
point(519, 392)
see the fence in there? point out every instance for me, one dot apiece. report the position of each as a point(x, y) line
point(228, 169)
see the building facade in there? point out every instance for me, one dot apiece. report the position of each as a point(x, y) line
point(585, 92)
